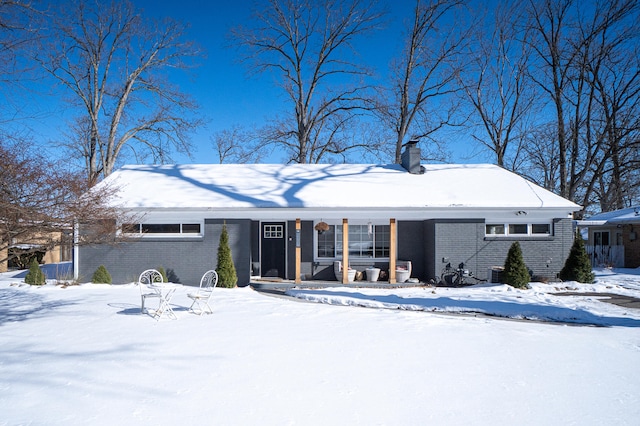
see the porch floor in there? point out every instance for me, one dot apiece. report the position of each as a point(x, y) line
point(282, 284)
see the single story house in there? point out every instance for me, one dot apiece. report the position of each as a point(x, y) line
point(612, 238)
point(294, 221)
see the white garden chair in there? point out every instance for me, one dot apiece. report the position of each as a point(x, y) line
point(144, 283)
point(201, 298)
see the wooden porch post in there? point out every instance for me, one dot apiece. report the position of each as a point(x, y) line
point(298, 251)
point(392, 251)
point(345, 251)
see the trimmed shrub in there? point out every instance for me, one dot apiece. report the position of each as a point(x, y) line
point(35, 276)
point(226, 269)
point(172, 277)
point(516, 273)
point(577, 267)
point(101, 276)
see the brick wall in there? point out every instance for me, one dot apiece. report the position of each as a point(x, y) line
point(188, 258)
point(465, 241)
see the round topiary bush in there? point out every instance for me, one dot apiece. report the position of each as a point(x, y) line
point(35, 276)
point(101, 276)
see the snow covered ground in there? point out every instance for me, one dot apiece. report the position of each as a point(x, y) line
point(85, 355)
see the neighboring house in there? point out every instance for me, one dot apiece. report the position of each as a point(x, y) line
point(612, 238)
point(292, 221)
point(20, 253)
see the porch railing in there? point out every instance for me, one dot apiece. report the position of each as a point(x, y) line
point(606, 256)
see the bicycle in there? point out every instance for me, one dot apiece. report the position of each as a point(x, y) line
point(455, 276)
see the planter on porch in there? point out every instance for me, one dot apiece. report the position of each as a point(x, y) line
point(402, 275)
point(337, 270)
point(373, 274)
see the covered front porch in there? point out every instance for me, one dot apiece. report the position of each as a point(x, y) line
point(283, 284)
point(395, 270)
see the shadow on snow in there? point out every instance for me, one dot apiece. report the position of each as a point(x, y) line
point(501, 309)
point(22, 306)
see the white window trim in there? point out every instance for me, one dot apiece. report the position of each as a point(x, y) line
point(316, 258)
point(168, 236)
point(275, 231)
point(507, 234)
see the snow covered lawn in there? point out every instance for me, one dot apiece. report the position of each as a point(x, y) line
point(85, 355)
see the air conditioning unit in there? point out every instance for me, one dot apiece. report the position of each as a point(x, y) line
point(494, 274)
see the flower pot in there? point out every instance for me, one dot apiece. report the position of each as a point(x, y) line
point(402, 275)
point(373, 274)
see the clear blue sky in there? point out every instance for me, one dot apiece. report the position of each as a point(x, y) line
point(226, 92)
point(222, 86)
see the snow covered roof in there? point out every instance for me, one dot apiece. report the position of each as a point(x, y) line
point(322, 186)
point(628, 215)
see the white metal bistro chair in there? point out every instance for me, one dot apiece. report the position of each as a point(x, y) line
point(201, 298)
point(144, 283)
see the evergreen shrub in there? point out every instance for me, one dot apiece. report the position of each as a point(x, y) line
point(227, 276)
point(516, 273)
point(577, 267)
point(35, 276)
point(101, 276)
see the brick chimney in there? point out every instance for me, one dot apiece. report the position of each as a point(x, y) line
point(411, 158)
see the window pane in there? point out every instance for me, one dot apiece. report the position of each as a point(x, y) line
point(273, 231)
point(190, 228)
point(495, 230)
point(541, 228)
point(161, 228)
point(518, 229)
point(605, 238)
point(326, 242)
point(360, 241)
point(382, 240)
point(362, 244)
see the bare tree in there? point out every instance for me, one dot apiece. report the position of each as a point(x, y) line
point(497, 84)
point(41, 200)
point(541, 162)
point(236, 145)
point(114, 65)
point(616, 80)
point(308, 46)
point(573, 48)
point(414, 104)
point(549, 21)
point(16, 33)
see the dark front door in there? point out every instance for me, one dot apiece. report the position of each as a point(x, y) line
point(273, 249)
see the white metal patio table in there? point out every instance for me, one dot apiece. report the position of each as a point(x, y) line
point(167, 291)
